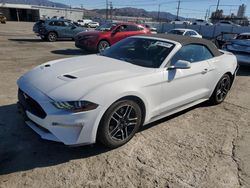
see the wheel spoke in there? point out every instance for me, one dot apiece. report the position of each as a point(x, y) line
point(126, 132)
point(122, 134)
point(127, 111)
point(118, 115)
point(115, 131)
point(132, 123)
point(117, 121)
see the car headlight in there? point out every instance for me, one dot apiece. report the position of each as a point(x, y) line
point(75, 106)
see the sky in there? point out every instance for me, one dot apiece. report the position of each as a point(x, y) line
point(188, 8)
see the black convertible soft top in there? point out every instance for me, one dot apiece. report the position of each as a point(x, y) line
point(184, 40)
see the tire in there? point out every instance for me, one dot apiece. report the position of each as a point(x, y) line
point(221, 90)
point(119, 123)
point(102, 45)
point(52, 37)
point(44, 38)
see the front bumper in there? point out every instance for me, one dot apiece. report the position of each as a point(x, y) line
point(86, 44)
point(57, 125)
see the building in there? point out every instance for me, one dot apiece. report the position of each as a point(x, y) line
point(21, 12)
point(241, 11)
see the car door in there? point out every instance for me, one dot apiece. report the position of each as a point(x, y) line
point(62, 29)
point(118, 33)
point(184, 86)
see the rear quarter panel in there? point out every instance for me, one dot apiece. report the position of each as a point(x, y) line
point(226, 63)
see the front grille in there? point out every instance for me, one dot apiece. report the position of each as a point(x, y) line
point(30, 104)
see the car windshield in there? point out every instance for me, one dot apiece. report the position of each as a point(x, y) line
point(176, 32)
point(143, 52)
point(106, 27)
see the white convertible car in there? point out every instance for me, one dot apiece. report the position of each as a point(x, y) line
point(139, 80)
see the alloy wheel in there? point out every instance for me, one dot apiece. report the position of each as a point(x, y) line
point(122, 123)
point(223, 88)
point(52, 37)
point(102, 46)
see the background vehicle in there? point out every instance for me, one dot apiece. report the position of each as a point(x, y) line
point(222, 38)
point(107, 97)
point(84, 22)
point(107, 35)
point(2, 18)
point(151, 28)
point(240, 47)
point(53, 29)
point(178, 22)
point(201, 22)
point(93, 24)
point(226, 23)
point(185, 32)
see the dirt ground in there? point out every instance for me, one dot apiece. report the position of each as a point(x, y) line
point(206, 146)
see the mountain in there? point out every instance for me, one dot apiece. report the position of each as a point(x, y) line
point(36, 2)
point(127, 11)
point(135, 12)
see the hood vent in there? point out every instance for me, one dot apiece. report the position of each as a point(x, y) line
point(70, 76)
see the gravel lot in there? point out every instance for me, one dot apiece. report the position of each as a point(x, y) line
point(206, 146)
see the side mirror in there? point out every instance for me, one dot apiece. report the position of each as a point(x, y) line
point(181, 64)
point(114, 31)
point(73, 27)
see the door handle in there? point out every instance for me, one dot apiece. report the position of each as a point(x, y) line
point(204, 71)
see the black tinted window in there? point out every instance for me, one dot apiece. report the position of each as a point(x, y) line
point(243, 37)
point(132, 28)
point(52, 23)
point(192, 53)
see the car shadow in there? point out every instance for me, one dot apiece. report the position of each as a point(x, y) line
point(244, 71)
point(22, 149)
point(71, 52)
point(21, 40)
point(27, 40)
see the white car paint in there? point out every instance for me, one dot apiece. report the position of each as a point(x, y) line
point(84, 22)
point(93, 24)
point(202, 22)
point(186, 32)
point(103, 80)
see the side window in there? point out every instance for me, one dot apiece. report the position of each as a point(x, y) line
point(59, 23)
point(132, 28)
point(192, 53)
point(52, 23)
point(187, 33)
point(193, 33)
point(66, 24)
point(122, 28)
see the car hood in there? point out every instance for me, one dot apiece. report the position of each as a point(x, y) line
point(89, 33)
point(241, 42)
point(72, 78)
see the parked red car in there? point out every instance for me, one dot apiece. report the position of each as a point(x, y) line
point(107, 35)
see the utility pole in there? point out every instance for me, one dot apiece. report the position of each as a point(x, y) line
point(206, 16)
point(217, 6)
point(82, 11)
point(111, 10)
point(107, 9)
point(159, 11)
point(178, 9)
